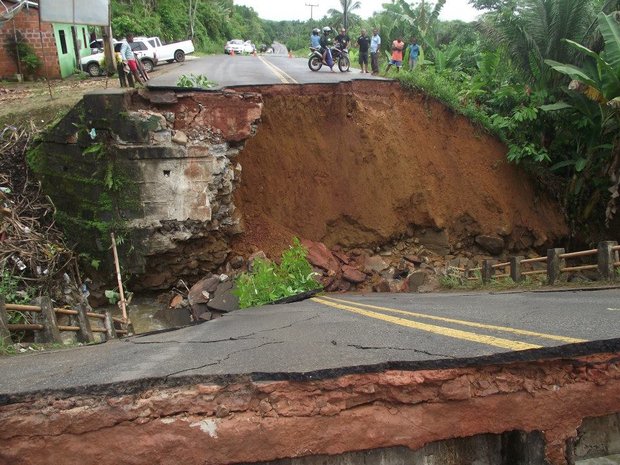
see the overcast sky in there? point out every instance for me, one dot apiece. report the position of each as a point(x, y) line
point(297, 9)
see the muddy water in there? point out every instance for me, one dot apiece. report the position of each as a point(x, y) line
point(147, 314)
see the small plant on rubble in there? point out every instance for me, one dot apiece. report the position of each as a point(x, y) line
point(268, 281)
point(195, 81)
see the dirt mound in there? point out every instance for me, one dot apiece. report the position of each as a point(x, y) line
point(360, 165)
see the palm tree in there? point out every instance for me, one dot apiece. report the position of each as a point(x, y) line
point(534, 31)
point(342, 16)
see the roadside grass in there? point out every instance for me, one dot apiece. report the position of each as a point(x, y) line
point(9, 348)
point(529, 283)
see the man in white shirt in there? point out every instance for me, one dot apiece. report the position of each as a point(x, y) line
point(375, 46)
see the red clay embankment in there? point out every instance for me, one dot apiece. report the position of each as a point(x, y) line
point(358, 163)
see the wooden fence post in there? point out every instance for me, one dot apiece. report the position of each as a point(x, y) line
point(109, 326)
point(85, 334)
point(50, 332)
point(5, 334)
point(554, 265)
point(487, 270)
point(515, 269)
point(606, 258)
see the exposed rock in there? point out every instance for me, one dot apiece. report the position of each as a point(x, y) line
point(175, 317)
point(353, 275)
point(382, 286)
point(414, 281)
point(413, 259)
point(492, 244)
point(179, 137)
point(320, 256)
point(341, 256)
point(224, 300)
point(176, 302)
point(208, 285)
point(237, 262)
point(375, 263)
point(436, 241)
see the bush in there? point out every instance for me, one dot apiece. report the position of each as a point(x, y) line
point(269, 281)
point(21, 50)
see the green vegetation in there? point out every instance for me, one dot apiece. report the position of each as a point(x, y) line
point(268, 281)
point(10, 289)
point(24, 54)
point(195, 81)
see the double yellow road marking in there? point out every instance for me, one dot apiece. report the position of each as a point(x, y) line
point(360, 309)
point(280, 74)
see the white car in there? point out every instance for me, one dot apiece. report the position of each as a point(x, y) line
point(248, 47)
point(235, 45)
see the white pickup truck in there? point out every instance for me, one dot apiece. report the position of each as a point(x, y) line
point(170, 52)
point(94, 64)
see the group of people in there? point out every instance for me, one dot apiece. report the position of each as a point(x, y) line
point(369, 47)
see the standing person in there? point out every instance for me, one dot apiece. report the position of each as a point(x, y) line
point(414, 53)
point(363, 42)
point(129, 58)
point(315, 38)
point(397, 55)
point(375, 46)
point(343, 40)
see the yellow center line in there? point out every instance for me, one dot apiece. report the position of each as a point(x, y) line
point(520, 332)
point(455, 333)
point(280, 74)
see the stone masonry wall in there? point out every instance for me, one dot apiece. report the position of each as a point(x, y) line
point(175, 153)
point(239, 420)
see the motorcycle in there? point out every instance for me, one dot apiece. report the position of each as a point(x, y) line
point(340, 56)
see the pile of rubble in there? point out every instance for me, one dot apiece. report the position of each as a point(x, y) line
point(32, 248)
point(336, 270)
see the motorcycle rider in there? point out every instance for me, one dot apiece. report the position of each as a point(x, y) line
point(315, 38)
point(327, 54)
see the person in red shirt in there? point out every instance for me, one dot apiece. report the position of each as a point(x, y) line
point(397, 54)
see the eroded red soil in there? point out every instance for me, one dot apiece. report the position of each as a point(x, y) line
point(348, 165)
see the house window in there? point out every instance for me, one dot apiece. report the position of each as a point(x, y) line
point(63, 42)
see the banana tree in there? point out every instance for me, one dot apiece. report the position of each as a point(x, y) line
point(598, 80)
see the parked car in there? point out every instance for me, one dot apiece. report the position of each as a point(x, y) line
point(235, 45)
point(248, 47)
point(175, 51)
point(94, 64)
point(239, 46)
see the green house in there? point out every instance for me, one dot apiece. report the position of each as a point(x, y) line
point(69, 41)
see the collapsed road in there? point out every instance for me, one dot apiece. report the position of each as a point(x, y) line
point(516, 378)
point(538, 372)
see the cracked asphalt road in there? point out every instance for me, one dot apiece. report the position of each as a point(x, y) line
point(311, 338)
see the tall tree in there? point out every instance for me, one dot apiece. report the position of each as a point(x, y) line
point(533, 31)
point(345, 16)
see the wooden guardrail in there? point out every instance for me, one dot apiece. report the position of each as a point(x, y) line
point(517, 268)
point(46, 327)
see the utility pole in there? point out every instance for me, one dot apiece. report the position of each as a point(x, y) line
point(344, 14)
point(311, 9)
